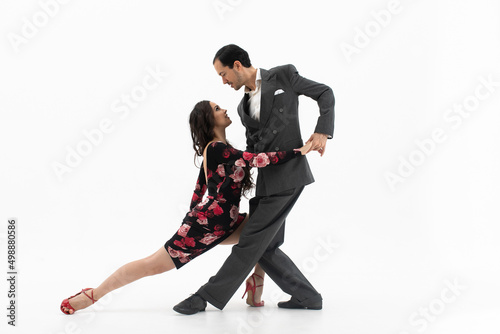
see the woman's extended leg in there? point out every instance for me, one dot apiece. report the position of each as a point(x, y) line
point(258, 271)
point(157, 263)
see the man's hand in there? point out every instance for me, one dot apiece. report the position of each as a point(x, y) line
point(318, 143)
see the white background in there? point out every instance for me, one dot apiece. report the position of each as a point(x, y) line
point(396, 247)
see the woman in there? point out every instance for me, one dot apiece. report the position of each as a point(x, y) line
point(211, 221)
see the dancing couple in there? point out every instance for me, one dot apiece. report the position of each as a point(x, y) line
point(269, 112)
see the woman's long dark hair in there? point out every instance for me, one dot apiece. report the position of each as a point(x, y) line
point(202, 122)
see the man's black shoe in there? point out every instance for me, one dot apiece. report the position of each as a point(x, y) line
point(191, 305)
point(306, 304)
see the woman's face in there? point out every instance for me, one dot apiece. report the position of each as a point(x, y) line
point(220, 116)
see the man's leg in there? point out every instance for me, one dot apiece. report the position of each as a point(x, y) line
point(286, 275)
point(260, 230)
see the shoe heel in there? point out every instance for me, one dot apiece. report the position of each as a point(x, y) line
point(248, 288)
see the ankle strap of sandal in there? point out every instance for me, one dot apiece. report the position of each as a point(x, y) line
point(91, 298)
point(254, 274)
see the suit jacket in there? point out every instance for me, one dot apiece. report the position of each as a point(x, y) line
point(279, 129)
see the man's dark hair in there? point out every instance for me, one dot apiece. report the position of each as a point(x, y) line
point(228, 54)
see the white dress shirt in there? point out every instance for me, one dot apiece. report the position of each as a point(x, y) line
point(254, 98)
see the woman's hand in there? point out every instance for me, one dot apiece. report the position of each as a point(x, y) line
point(318, 141)
point(306, 148)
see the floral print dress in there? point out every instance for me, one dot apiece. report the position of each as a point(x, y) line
point(214, 217)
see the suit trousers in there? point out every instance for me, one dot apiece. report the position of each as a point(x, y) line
point(259, 242)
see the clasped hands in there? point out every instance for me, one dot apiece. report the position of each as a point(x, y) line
point(317, 142)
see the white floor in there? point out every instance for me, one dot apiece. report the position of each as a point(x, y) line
point(354, 302)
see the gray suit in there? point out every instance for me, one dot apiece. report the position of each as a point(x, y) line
point(278, 186)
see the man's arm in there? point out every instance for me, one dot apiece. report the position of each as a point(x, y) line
point(323, 95)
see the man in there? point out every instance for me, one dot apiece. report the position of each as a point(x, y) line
point(269, 112)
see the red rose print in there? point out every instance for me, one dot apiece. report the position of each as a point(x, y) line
point(210, 214)
point(183, 258)
point(202, 221)
point(282, 154)
point(179, 244)
point(238, 174)
point(213, 205)
point(234, 212)
point(226, 153)
point(208, 238)
point(183, 230)
point(219, 233)
point(247, 156)
point(189, 242)
point(237, 221)
point(218, 211)
point(220, 198)
point(261, 160)
point(274, 159)
point(221, 171)
point(195, 198)
point(201, 215)
point(173, 252)
point(240, 163)
point(209, 174)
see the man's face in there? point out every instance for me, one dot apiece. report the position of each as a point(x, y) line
point(230, 76)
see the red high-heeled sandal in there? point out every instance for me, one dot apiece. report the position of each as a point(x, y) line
point(65, 303)
point(251, 292)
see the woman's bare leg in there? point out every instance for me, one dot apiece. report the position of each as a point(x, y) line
point(235, 236)
point(233, 239)
point(157, 263)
